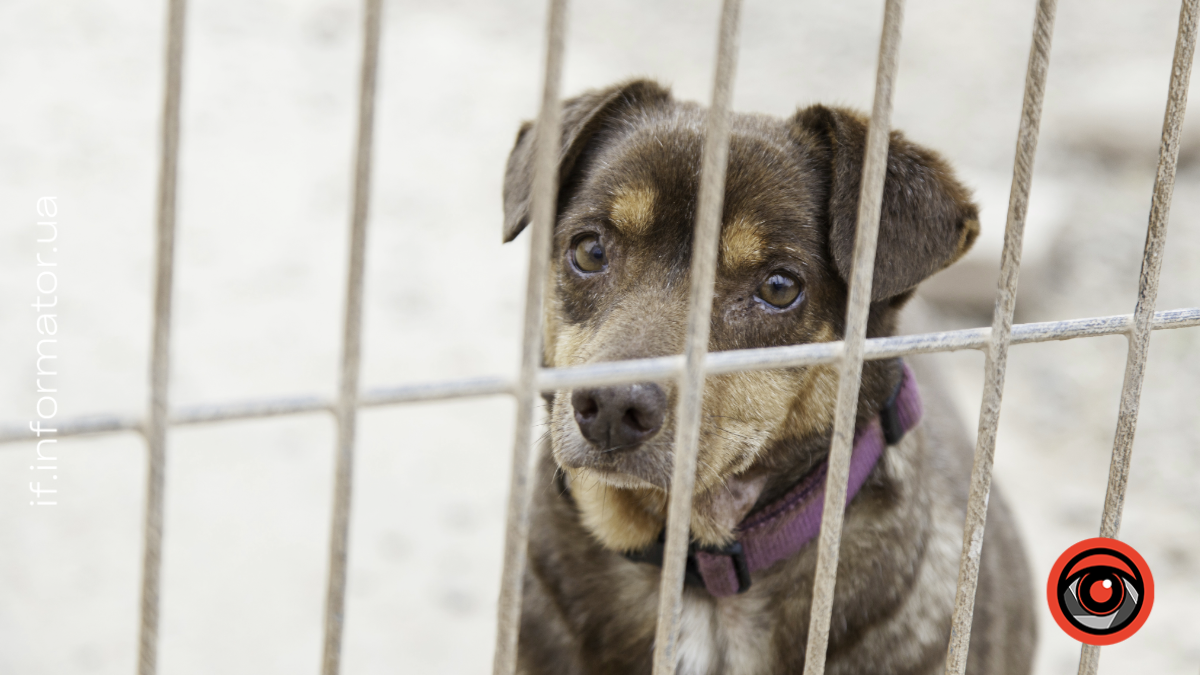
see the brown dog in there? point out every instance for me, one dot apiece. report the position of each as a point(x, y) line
point(629, 176)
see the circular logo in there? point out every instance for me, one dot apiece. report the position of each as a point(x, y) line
point(1100, 591)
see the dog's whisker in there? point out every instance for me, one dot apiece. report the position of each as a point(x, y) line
point(616, 448)
point(558, 471)
point(718, 433)
point(739, 421)
point(604, 505)
point(724, 480)
point(729, 431)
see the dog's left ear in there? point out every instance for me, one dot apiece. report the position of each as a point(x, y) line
point(583, 117)
point(927, 219)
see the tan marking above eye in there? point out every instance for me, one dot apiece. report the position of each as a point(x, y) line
point(742, 243)
point(632, 210)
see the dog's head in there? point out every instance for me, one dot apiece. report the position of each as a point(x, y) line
point(629, 173)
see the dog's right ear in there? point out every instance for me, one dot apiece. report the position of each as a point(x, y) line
point(582, 117)
point(927, 218)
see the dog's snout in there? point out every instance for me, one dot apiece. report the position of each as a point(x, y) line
point(619, 417)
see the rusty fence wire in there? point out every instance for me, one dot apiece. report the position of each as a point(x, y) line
point(688, 369)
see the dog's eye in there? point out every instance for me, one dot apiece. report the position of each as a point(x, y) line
point(589, 254)
point(779, 290)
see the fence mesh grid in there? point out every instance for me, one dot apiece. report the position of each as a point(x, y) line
point(690, 368)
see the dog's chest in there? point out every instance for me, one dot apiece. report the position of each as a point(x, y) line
point(727, 637)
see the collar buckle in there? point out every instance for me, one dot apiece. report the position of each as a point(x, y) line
point(653, 554)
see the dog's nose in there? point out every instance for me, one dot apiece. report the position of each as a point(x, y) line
point(619, 417)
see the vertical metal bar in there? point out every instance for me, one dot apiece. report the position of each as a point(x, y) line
point(346, 409)
point(542, 218)
point(1089, 659)
point(1139, 335)
point(867, 230)
point(155, 430)
point(997, 354)
point(691, 384)
point(1160, 208)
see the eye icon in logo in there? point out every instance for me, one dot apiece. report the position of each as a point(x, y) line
point(1100, 591)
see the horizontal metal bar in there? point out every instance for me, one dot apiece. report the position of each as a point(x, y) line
point(618, 372)
point(203, 414)
point(183, 416)
point(79, 426)
point(437, 391)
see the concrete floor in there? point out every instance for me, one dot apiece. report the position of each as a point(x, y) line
point(268, 120)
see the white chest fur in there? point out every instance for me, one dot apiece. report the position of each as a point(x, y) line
point(729, 635)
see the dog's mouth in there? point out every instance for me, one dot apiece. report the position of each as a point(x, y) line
point(625, 437)
point(641, 465)
point(615, 478)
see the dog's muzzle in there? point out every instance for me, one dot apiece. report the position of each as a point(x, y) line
point(617, 418)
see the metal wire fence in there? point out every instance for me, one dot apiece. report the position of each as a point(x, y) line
point(688, 369)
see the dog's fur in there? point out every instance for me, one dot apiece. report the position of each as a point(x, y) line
point(629, 175)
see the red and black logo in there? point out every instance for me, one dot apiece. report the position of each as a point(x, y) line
point(1100, 591)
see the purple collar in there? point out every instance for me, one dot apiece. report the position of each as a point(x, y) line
point(783, 527)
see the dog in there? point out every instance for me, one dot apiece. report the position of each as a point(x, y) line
point(628, 181)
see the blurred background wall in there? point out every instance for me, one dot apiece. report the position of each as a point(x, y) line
point(268, 122)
